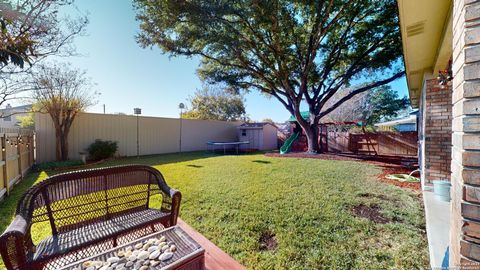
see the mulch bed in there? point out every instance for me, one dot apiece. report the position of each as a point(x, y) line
point(390, 164)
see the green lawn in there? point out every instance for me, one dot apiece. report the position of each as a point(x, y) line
point(304, 206)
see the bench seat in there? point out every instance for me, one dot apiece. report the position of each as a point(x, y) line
point(65, 242)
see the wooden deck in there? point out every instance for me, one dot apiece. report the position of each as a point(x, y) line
point(215, 258)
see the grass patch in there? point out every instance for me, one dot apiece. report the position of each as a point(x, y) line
point(279, 213)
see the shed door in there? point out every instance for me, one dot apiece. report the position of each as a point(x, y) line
point(254, 138)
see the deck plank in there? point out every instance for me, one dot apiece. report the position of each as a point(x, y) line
point(215, 258)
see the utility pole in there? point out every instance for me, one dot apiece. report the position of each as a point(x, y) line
point(137, 112)
point(181, 106)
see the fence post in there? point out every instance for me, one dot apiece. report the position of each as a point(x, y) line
point(4, 160)
point(19, 155)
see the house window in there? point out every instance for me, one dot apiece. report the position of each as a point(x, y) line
point(244, 132)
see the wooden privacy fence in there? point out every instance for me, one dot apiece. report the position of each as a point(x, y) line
point(17, 156)
point(374, 143)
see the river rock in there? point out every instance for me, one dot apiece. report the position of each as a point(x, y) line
point(143, 255)
point(173, 248)
point(132, 258)
point(152, 249)
point(120, 266)
point(129, 264)
point(143, 267)
point(138, 246)
point(162, 239)
point(113, 260)
point(154, 255)
point(166, 256)
point(164, 248)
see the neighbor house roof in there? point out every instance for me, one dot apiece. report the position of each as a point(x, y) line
point(426, 28)
point(411, 119)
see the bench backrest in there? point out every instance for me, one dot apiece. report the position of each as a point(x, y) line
point(72, 200)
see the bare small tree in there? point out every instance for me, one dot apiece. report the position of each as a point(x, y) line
point(62, 92)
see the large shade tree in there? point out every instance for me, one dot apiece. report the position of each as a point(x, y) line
point(215, 104)
point(301, 53)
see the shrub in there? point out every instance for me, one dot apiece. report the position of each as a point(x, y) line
point(51, 165)
point(102, 149)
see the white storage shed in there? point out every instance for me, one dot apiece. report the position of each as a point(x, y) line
point(262, 136)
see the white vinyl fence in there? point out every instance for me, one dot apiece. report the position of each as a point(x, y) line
point(156, 135)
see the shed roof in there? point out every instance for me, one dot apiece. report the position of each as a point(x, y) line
point(258, 125)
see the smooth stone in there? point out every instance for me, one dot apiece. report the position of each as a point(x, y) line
point(152, 249)
point(162, 244)
point(151, 240)
point(154, 263)
point(128, 254)
point(173, 248)
point(162, 239)
point(146, 246)
point(157, 242)
point(120, 266)
point(170, 243)
point(132, 258)
point(164, 248)
point(136, 252)
point(105, 267)
point(143, 267)
point(166, 256)
point(91, 268)
point(129, 248)
point(113, 260)
point(143, 255)
point(87, 264)
point(147, 262)
point(113, 265)
point(138, 246)
point(129, 264)
point(138, 264)
point(121, 253)
point(154, 255)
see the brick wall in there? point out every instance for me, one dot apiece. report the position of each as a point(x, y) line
point(437, 131)
point(464, 225)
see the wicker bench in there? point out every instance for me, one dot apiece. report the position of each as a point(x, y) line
point(88, 212)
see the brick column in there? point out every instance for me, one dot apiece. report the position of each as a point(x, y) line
point(465, 221)
point(437, 130)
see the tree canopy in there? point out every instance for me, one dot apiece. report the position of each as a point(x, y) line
point(214, 104)
point(379, 104)
point(298, 52)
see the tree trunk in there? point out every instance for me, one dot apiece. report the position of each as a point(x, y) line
point(64, 145)
point(312, 139)
point(61, 144)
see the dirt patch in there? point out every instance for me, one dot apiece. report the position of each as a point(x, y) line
point(268, 241)
point(370, 212)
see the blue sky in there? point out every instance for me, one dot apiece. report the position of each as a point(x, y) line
point(128, 76)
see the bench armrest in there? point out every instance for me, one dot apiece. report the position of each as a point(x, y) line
point(12, 244)
point(176, 198)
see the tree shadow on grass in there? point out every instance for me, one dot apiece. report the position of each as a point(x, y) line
point(261, 161)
